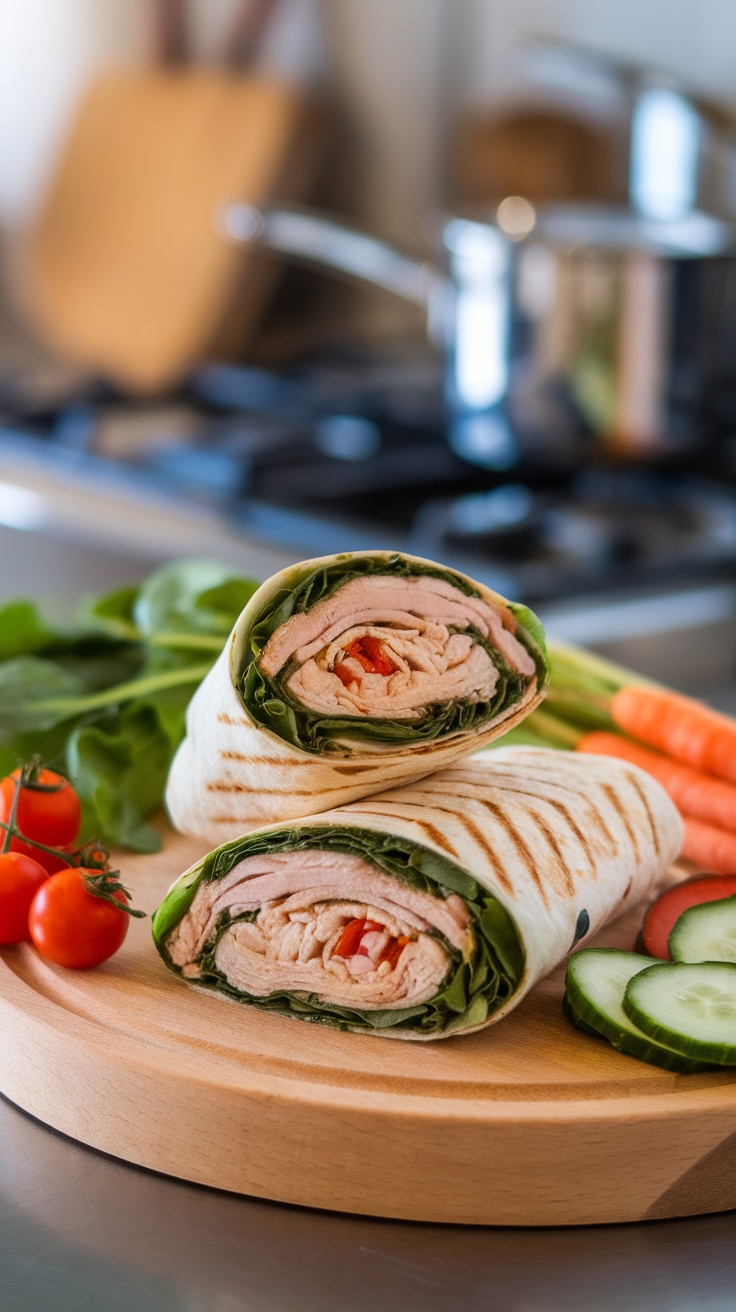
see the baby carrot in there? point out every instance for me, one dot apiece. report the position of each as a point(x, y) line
point(679, 726)
point(694, 793)
point(712, 849)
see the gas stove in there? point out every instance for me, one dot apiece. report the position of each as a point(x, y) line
point(352, 451)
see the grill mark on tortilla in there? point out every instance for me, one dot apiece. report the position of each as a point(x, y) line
point(438, 837)
point(567, 817)
point(574, 826)
point(286, 762)
point(434, 833)
point(620, 810)
point(224, 718)
point(498, 868)
point(648, 810)
point(560, 861)
point(554, 782)
point(550, 777)
point(518, 842)
point(481, 780)
point(216, 787)
point(477, 835)
point(551, 802)
point(532, 776)
point(281, 762)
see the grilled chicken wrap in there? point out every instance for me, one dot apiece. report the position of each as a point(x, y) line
point(343, 675)
point(430, 909)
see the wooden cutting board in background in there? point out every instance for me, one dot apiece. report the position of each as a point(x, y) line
point(125, 272)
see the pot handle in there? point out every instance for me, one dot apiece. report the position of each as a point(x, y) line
point(333, 246)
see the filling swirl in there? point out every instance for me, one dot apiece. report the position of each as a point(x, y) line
point(350, 927)
point(387, 656)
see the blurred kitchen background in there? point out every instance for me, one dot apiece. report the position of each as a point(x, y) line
point(287, 277)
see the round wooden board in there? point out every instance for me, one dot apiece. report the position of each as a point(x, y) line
point(526, 1123)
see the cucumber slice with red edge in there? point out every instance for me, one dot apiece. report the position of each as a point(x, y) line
point(596, 981)
point(664, 913)
point(690, 1008)
point(706, 933)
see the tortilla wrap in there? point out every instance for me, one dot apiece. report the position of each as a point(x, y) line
point(344, 675)
point(427, 910)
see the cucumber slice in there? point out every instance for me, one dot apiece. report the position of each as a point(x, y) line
point(705, 933)
point(689, 1007)
point(596, 981)
point(570, 1014)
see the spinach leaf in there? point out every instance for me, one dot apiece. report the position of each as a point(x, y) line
point(119, 768)
point(222, 605)
point(191, 596)
point(113, 613)
point(22, 630)
point(34, 694)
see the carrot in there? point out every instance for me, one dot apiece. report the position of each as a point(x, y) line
point(694, 793)
point(712, 849)
point(680, 727)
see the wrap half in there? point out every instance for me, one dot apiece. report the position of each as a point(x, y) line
point(344, 675)
point(428, 910)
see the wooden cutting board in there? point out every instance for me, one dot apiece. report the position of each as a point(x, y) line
point(526, 1123)
point(125, 271)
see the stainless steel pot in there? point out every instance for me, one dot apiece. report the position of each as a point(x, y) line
point(555, 323)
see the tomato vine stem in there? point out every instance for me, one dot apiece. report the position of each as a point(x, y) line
point(104, 885)
point(11, 829)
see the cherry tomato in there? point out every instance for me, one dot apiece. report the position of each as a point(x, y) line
point(20, 879)
point(52, 818)
point(669, 906)
point(72, 927)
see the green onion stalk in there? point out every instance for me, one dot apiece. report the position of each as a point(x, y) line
point(581, 689)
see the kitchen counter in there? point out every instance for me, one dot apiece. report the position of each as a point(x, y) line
point(79, 1230)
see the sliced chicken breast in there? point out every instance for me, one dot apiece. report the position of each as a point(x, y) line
point(324, 923)
point(391, 647)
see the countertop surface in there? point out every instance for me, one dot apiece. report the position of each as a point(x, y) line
point(82, 1231)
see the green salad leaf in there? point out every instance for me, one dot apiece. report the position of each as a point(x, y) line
point(113, 612)
point(475, 986)
point(271, 704)
point(22, 630)
point(102, 697)
point(195, 596)
point(34, 694)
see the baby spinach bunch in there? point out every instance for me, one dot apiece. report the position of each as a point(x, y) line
point(102, 696)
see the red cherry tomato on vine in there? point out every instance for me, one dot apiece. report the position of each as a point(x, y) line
point(53, 818)
point(20, 879)
point(72, 927)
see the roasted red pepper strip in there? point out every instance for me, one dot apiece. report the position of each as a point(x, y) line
point(349, 941)
point(345, 675)
point(369, 652)
point(393, 950)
